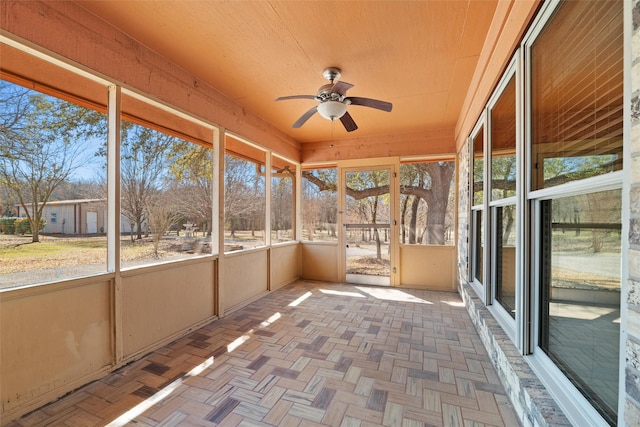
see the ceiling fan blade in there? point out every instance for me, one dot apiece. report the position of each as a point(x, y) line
point(304, 117)
point(284, 98)
point(372, 103)
point(341, 87)
point(348, 122)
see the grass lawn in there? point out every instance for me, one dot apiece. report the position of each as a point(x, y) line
point(20, 255)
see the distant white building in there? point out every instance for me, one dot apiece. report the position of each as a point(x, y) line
point(80, 216)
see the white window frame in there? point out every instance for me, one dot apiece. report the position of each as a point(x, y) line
point(267, 194)
point(295, 214)
point(574, 405)
point(115, 144)
point(508, 323)
point(427, 159)
point(300, 202)
point(483, 289)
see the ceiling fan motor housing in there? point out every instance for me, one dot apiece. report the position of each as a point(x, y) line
point(325, 93)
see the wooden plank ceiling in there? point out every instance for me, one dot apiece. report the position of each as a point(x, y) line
point(419, 55)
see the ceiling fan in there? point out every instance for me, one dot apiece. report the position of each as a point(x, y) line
point(334, 102)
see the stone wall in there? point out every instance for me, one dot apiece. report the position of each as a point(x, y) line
point(463, 213)
point(530, 399)
point(632, 300)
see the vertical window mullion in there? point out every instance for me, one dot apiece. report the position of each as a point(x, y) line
point(267, 207)
point(478, 197)
point(113, 179)
point(487, 223)
point(474, 238)
point(217, 192)
point(545, 271)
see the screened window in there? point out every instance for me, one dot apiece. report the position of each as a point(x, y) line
point(427, 203)
point(283, 178)
point(320, 204)
point(50, 178)
point(577, 90)
point(166, 187)
point(244, 196)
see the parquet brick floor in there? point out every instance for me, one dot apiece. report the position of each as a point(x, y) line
point(310, 354)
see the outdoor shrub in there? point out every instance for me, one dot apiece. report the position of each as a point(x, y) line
point(22, 226)
point(7, 225)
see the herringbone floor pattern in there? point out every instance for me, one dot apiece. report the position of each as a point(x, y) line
point(310, 354)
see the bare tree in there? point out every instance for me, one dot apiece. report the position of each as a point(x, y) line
point(282, 188)
point(244, 195)
point(435, 193)
point(319, 201)
point(435, 190)
point(43, 141)
point(142, 171)
point(310, 214)
point(363, 188)
point(161, 215)
point(192, 187)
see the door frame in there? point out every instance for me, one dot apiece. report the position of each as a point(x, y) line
point(393, 164)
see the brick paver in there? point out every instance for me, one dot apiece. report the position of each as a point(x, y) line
point(312, 353)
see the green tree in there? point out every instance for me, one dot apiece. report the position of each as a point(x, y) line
point(503, 176)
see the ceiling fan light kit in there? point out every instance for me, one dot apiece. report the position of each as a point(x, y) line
point(333, 101)
point(332, 110)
